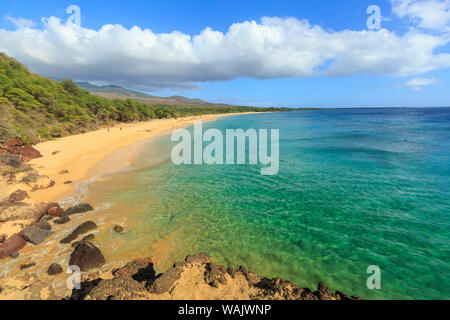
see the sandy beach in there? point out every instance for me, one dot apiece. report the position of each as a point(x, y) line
point(81, 154)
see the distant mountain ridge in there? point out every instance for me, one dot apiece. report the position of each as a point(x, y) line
point(114, 91)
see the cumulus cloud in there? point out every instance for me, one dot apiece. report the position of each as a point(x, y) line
point(418, 83)
point(271, 48)
point(428, 14)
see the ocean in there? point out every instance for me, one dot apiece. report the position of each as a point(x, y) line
point(355, 188)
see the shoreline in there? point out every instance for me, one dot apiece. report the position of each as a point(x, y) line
point(86, 155)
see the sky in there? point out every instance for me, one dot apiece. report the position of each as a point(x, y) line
point(298, 53)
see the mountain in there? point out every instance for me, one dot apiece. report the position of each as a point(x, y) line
point(34, 108)
point(113, 91)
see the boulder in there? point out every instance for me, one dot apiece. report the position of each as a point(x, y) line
point(13, 243)
point(81, 229)
point(118, 229)
point(62, 220)
point(55, 211)
point(86, 256)
point(43, 224)
point(18, 195)
point(79, 208)
point(54, 269)
point(34, 234)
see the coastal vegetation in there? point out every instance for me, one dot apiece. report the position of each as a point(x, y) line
point(35, 108)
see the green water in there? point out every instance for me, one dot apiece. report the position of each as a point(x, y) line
point(355, 188)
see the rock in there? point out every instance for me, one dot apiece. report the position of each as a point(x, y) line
point(18, 195)
point(164, 282)
point(118, 229)
point(83, 228)
point(86, 256)
point(11, 211)
point(27, 266)
point(215, 275)
point(62, 220)
point(55, 211)
point(13, 243)
point(14, 254)
point(324, 293)
point(40, 182)
point(90, 237)
point(79, 208)
point(3, 238)
point(55, 152)
point(64, 172)
point(43, 224)
point(22, 150)
point(67, 182)
point(34, 234)
point(54, 269)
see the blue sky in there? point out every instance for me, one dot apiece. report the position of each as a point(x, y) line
point(364, 87)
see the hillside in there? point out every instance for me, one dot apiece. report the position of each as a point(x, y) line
point(35, 108)
point(113, 91)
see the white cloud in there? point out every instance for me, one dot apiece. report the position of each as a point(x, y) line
point(271, 48)
point(20, 22)
point(428, 14)
point(418, 83)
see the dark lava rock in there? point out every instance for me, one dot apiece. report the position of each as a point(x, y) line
point(54, 269)
point(118, 229)
point(14, 254)
point(18, 195)
point(324, 293)
point(83, 228)
point(13, 243)
point(79, 208)
point(215, 275)
point(27, 266)
point(62, 220)
point(86, 256)
point(89, 238)
point(164, 282)
point(34, 234)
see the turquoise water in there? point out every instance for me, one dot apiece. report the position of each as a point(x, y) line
point(355, 188)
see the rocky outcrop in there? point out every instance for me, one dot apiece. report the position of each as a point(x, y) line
point(34, 234)
point(11, 211)
point(195, 278)
point(86, 256)
point(13, 243)
point(77, 209)
point(20, 149)
point(81, 229)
